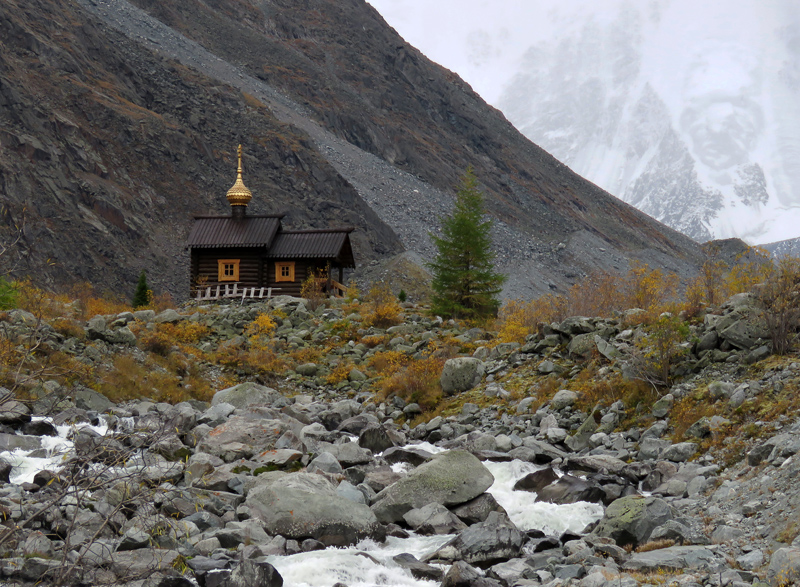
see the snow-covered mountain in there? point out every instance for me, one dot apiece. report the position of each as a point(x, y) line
point(689, 111)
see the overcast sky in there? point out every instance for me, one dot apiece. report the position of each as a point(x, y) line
point(484, 40)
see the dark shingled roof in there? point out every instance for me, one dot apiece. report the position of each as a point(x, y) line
point(316, 244)
point(226, 231)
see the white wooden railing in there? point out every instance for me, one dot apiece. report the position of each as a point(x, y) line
point(232, 291)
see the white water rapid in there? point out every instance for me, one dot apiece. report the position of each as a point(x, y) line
point(350, 565)
point(50, 454)
point(368, 563)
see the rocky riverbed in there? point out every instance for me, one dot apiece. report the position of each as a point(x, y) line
point(302, 482)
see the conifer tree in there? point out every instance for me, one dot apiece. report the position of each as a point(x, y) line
point(141, 297)
point(465, 283)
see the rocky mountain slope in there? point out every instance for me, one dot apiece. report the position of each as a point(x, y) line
point(119, 122)
point(546, 465)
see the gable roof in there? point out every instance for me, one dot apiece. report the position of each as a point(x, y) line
point(317, 244)
point(226, 231)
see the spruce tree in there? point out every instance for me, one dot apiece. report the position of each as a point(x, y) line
point(465, 283)
point(141, 297)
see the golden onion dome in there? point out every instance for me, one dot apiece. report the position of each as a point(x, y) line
point(239, 195)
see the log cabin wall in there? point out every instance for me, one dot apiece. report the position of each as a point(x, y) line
point(205, 263)
point(290, 288)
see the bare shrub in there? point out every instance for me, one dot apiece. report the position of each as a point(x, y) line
point(780, 299)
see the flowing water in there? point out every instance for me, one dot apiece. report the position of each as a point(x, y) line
point(50, 454)
point(354, 568)
point(368, 563)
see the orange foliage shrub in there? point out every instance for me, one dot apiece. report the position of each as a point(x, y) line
point(596, 295)
point(259, 331)
point(648, 288)
point(129, 379)
point(339, 373)
point(382, 307)
point(417, 382)
point(387, 363)
point(90, 303)
point(518, 319)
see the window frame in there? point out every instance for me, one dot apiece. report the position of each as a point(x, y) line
point(221, 265)
point(279, 265)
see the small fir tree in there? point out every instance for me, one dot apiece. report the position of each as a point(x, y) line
point(142, 295)
point(465, 283)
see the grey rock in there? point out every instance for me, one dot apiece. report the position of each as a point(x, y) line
point(723, 534)
point(652, 448)
point(418, 570)
point(608, 350)
point(675, 558)
point(679, 453)
point(326, 463)
point(88, 399)
point(461, 374)
point(631, 519)
point(493, 540)
point(349, 454)
point(356, 375)
point(784, 567)
point(411, 455)
point(746, 333)
point(169, 315)
point(13, 412)
point(307, 369)
point(563, 399)
point(478, 509)
point(304, 505)
point(249, 573)
point(461, 574)
point(37, 544)
point(138, 564)
point(433, 518)
point(242, 437)
point(679, 533)
point(375, 438)
point(349, 491)
point(546, 367)
point(700, 429)
point(582, 346)
point(280, 458)
point(247, 394)
point(751, 561)
point(569, 489)
point(720, 389)
point(449, 478)
point(663, 406)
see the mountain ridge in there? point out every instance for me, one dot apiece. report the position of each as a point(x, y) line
point(314, 153)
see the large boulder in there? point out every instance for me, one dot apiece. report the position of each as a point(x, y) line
point(450, 478)
point(253, 574)
point(746, 333)
point(494, 540)
point(631, 519)
point(582, 346)
point(306, 505)
point(461, 374)
point(784, 567)
point(248, 394)
point(569, 489)
point(434, 518)
point(675, 559)
point(242, 437)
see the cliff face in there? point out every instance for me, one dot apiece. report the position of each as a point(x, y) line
point(117, 125)
point(109, 149)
